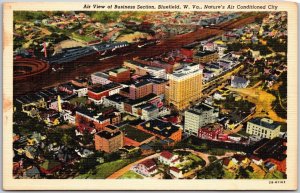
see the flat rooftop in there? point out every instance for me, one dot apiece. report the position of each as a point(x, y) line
point(108, 135)
point(135, 134)
point(261, 122)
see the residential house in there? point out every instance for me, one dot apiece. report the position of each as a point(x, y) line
point(168, 158)
point(146, 168)
point(177, 173)
point(239, 82)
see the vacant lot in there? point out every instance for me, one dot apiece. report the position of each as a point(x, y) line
point(104, 170)
point(131, 175)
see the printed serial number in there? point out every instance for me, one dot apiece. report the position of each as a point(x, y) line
point(276, 182)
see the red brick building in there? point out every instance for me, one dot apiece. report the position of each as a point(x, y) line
point(168, 67)
point(89, 119)
point(119, 75)
point(140, 90)
point(210, 131)
point(97, 93)
point(109, 140)
point(159, 87)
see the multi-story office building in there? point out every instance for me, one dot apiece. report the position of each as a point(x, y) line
point(185, 86)
point(140, 89)
point(119, 75)
point(109, 140)
point(199, 116)
point(263, 128)
point(206, 56)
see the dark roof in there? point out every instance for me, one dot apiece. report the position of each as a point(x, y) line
point(259, 121)
point(92, 112)
point(160, 127)
point(200, 108)
point(32, 172)
point(145, 147)
point(112, 127)
point(239, 80)
point(143, 99)
point(135, 134)
point(101, 88)
point(142, 83)
point(116, 98)
point(152, 79)
point(108, 135)
point(126, 89)
point(204, 53)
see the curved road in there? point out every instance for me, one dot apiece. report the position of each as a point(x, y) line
point(204, 156)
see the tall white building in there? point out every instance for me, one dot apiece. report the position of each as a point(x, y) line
point(199, 116)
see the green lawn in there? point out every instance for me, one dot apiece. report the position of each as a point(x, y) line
point(83, 37)
point(274, 175)
point(228, 174)
point(195, 158)
point(104, 170)
point(131, 175)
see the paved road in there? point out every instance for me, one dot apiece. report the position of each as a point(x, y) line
point(204, 156)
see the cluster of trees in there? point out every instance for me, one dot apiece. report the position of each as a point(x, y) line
point(213, 171)
point(29, 15)
point(241, 105)
point(280, 104)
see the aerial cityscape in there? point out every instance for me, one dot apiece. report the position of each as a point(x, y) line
point(149, 95)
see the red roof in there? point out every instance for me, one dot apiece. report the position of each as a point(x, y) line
point(152, 169)
point(166, 154)
point(175, 169)
point(175, 160)
point(226, 161)
point(148, 163)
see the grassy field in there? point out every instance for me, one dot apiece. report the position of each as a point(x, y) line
point(228, 174)
point(104, 170)
point(131, 175)
point(83, 38)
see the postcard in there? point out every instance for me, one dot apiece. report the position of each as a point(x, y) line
point(150, 96)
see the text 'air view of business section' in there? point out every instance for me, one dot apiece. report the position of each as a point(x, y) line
point(150, 94)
